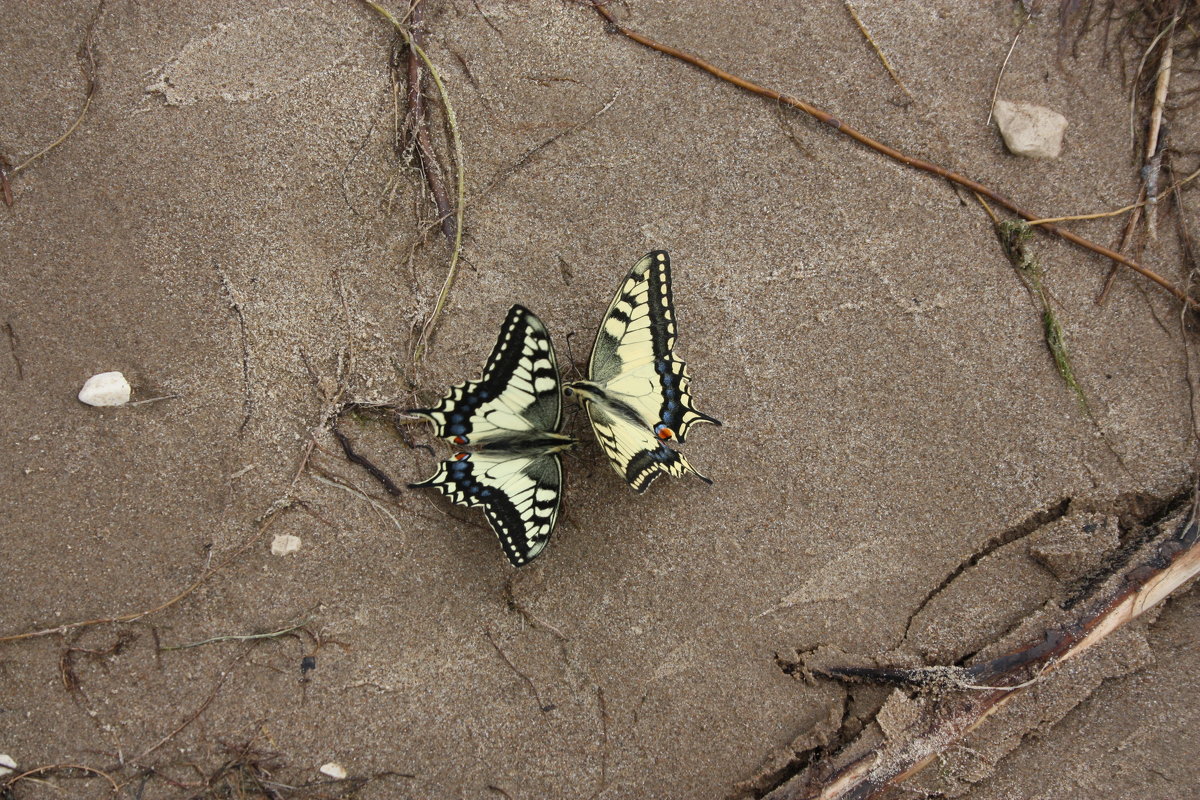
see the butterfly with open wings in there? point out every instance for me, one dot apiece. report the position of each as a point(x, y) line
point(511, 418)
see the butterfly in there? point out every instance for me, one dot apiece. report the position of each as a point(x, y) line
point(510, 417)
point(636, 392)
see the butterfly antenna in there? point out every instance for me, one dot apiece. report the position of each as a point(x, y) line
point(571, 357)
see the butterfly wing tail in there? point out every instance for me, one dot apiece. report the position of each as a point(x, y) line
point(453, 480)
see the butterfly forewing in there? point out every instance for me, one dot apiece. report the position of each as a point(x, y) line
point(518, 393)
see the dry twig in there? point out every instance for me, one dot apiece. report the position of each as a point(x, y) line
point(266, 522)
point(1154, 137)
point(12, 349)
point(533, 151)
point(235, 305)
point(1135, 207)
point(862, 28)
point(1004, 65)
point(321, 476)
point(418, 126)
point(225, 675)
point(452, 124)
point(1167, 560)
point(544, 706)
point(9, 782)
point(240, 637)
point(87, 58)
point(355, 458)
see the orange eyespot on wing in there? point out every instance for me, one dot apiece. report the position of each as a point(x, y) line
point(663, 432)
point(459, 440)
point(460, 456)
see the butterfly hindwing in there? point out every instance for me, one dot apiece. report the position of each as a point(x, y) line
point(635, 453)
point(518, 393)
point(511, 415)
point(633, 355)
point(519, 494)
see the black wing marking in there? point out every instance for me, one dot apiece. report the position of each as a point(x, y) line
point(517, 395)
point(520, 496)
point(633, 359)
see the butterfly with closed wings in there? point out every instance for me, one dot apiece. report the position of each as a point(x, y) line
point(511, 417)
point(636, 392)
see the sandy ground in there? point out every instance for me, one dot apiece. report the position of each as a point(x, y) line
point(232, 208)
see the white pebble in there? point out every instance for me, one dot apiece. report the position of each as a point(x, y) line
point(285, 543)
point(334, 770)
point(7, 764)
point(1029, 130)
point(105, 389)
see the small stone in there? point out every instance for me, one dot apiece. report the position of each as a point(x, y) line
point(334, 770)
point(1029, 130)
point(285, 543)
point(105, 389)
point(7, 764)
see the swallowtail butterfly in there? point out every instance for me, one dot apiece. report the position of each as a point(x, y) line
point(636, 392)
point(510, 418)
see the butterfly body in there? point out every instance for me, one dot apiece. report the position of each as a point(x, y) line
point(509, 419)
point(636, 393)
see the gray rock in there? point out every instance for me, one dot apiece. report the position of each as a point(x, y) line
point(1029, 130)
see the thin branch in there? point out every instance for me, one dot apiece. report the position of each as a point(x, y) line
point(263, 526)
point(420, 127)
point(910, 161)
point(8, 783)
point(1166, 561)
point(240, 637)
point(1191, 260)
point(1126, 239)
point(1154, 145)
point(150, 400)
point(545, 707)
point(533, 151)
point(1133, 92)
point(862, 28)
point(5, 187)
point(355, 458)
point(1004, 66)
point(12, 349)
point(235, 305)
point(487, 19)
point(326, 478)
point(88, 57)
point(452, 122)
point(225, 675)
point(1115, 212)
